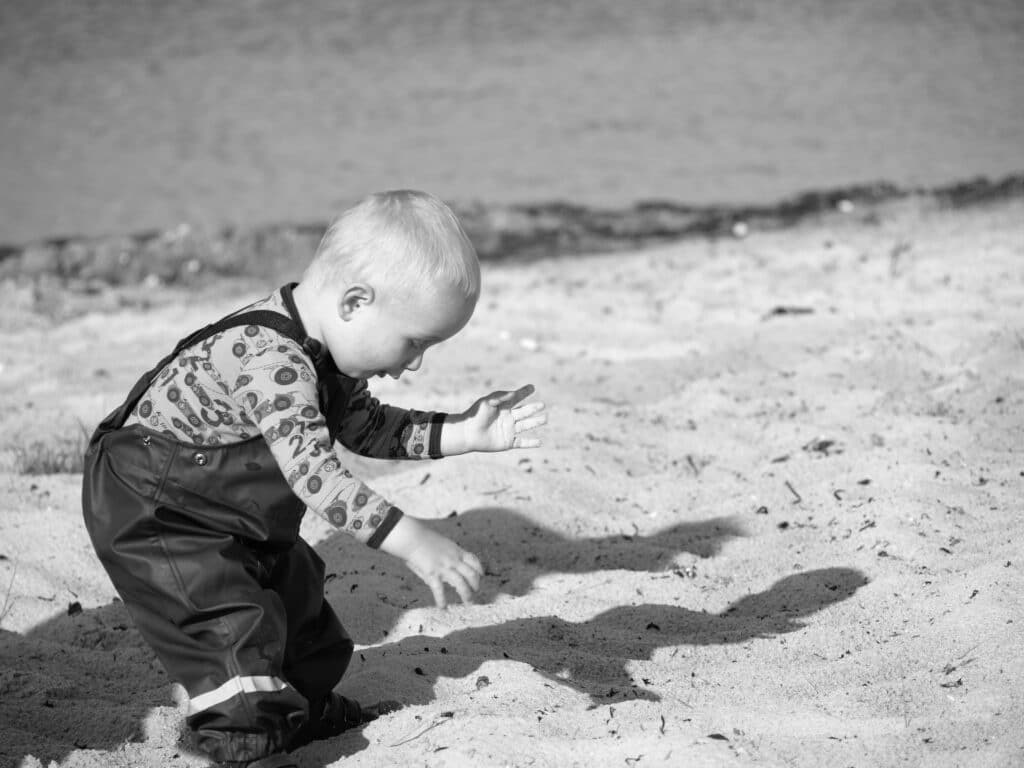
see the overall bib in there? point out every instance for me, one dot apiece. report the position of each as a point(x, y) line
point(202, 544)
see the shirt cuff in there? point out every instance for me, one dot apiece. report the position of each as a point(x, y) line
point(437, 424)
point(390, 521)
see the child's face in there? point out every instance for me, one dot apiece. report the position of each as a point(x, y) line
point(377, 333)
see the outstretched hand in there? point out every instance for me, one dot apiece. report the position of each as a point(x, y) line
point(497, 422)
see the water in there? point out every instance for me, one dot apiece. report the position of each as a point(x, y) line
point(118, 117)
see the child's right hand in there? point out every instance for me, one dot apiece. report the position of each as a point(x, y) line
point(437, 560)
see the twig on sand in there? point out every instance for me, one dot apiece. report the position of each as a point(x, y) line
point(441, 719)
point(6, 608)
point(692, 463)
point(496, 491)
point(792, 490)
point(788, 310)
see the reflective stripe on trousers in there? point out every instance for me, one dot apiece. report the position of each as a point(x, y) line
point(236, 686)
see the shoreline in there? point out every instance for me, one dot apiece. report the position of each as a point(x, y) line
point(186, 256)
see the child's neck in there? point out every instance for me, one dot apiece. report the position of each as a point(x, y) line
point(306, 302)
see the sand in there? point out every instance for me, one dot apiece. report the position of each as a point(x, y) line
point(776, 519)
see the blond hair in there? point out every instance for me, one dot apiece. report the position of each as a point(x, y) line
point(400, 238)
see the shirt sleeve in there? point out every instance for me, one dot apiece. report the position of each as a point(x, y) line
point(276, 389)
point(371, 428)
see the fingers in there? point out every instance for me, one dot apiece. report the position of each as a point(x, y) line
point(473, 569)
point(524, 411)
point(527, 417)
point(437, 589)
point(463, 576)
point(526, 424)
point(462, 585)
point(526, 442)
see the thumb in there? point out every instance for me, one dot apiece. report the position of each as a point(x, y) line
point(512, 397)
point(495, 399)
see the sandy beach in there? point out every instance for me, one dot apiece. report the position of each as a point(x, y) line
point(776, 520)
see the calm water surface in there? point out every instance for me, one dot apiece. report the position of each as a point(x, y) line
point(119, 117)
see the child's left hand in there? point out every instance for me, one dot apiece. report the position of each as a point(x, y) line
point(496, 422)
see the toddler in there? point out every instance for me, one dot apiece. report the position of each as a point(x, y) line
point(195, 486)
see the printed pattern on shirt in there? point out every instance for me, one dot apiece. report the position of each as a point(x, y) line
point(251, 380)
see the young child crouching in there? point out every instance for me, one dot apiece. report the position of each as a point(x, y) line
point(195, 486)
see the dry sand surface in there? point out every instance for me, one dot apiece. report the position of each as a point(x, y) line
point(776, 520)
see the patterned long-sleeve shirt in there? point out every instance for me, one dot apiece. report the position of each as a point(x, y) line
point(252, 380)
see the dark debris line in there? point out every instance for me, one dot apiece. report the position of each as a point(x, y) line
point(500, 233)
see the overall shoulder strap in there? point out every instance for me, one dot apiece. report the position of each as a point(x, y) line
point(266, 318)
point(283, 324)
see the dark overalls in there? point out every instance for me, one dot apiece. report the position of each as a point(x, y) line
point(202, 544)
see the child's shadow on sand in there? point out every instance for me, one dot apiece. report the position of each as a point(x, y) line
point(371, 593)
point(593, 656)
point(516, 550)
point(88, 681)
point(81, 680)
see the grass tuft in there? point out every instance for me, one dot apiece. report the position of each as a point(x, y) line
point(8, 603)
point(60, 454)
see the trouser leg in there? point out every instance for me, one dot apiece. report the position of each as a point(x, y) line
point(247, 633)
point(318, 648)
point(197, 599)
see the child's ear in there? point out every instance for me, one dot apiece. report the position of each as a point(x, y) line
point(355, 296)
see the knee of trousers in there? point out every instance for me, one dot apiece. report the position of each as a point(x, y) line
point(315, 669)
point(344, 648)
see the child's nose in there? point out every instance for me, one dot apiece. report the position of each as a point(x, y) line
point(415, 363)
